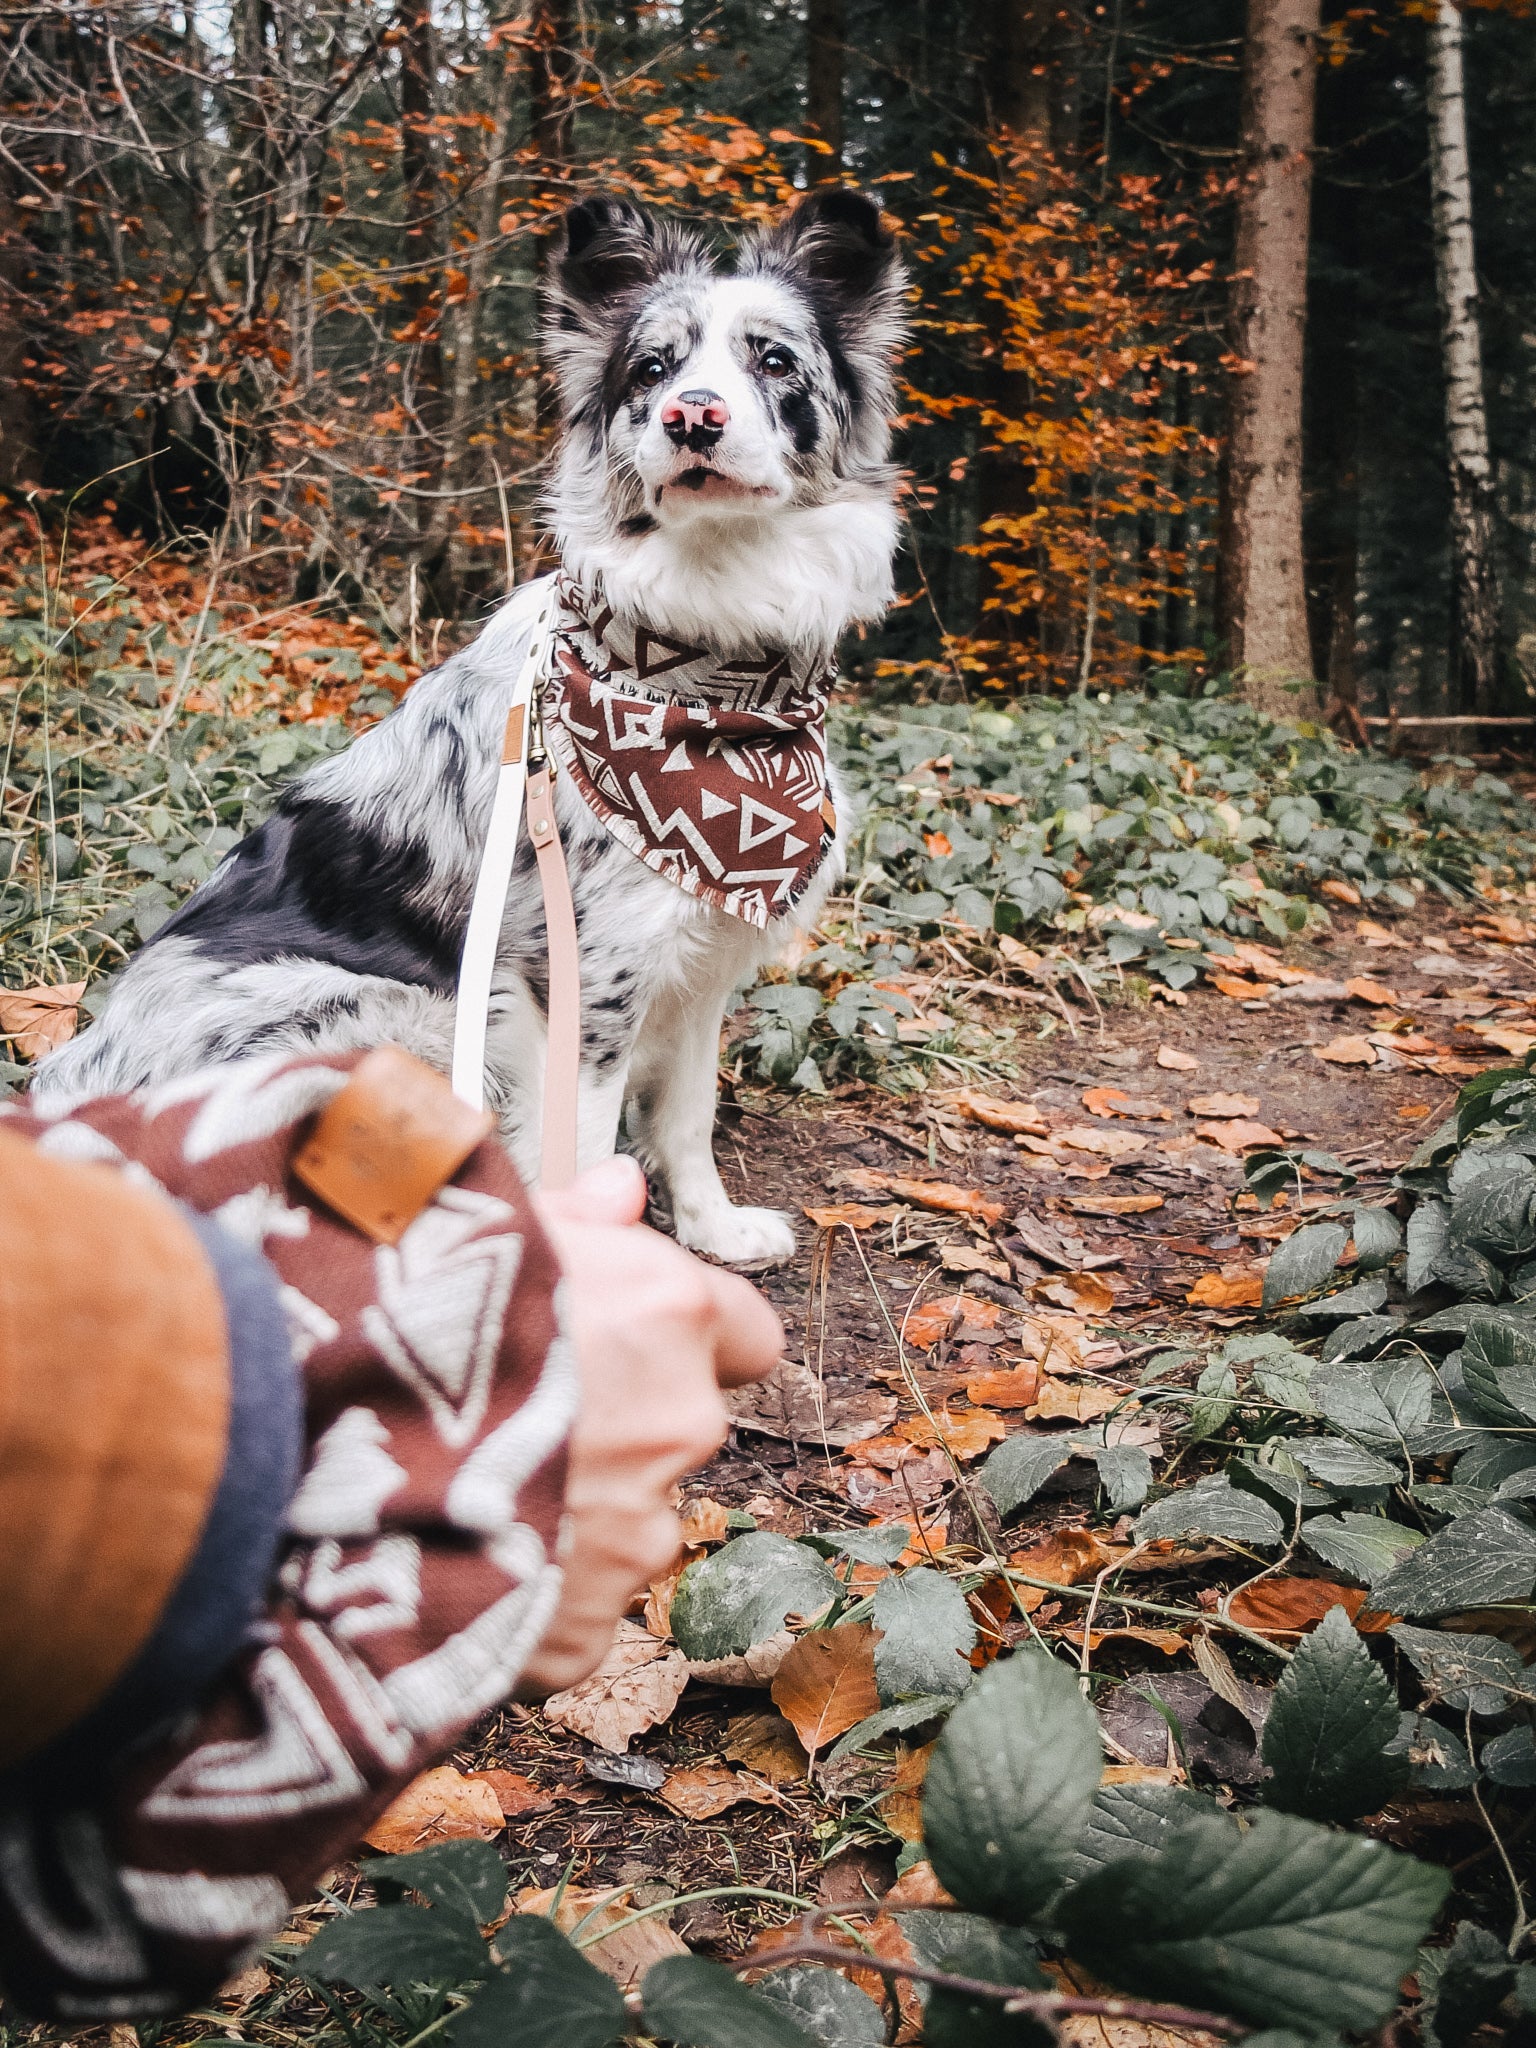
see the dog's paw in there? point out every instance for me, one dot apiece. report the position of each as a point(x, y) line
point(740, 1237)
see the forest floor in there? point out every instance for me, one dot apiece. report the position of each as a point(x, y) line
point(1103, 1256)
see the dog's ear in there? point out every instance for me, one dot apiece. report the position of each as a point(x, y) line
point(836, 238)
point(609, 246)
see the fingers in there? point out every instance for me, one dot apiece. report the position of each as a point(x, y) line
point(611, 1192)
point(749, 1338)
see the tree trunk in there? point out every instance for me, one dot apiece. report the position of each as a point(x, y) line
point(423, 237)
point(552, 71)
point(1475, 605)
point(1262, 596)
point(18, 447)
point(826, 28)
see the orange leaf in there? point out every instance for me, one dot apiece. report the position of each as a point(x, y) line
point(996, 1114)
point(1347, 1052)
point(1341, 892)
point(704, 1520)
point(901, 1808)
point(1016, 1389)
point(1114, 1205)
point(1175, 1061)
point(638, 1683)
point(1074, 1401)
point(1087, 1293)
point(851, 1215)
point(1240, 1135)
point(1101, 1101)
point(441, 1805)
point(1293, 1606)
point(927, 1323)
point(937, 844)
point(826, 1685)
point(1115, 1102)
point(702, 1793)
point(1233, 1287)
point(1223, 1105)
point(1067, 1556)
point(965, 1435)
point(1239, 990)
point(1413, 1112)
point(941, 1195)
point(1364, 990)
point(1103, 1144)
point(39, 1020)
point(518, 1797)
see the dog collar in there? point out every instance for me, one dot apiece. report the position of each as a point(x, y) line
point(712, 772)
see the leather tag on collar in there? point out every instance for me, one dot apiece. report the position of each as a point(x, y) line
point(382, 1148)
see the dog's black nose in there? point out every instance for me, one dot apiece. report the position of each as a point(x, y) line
point(695, 419)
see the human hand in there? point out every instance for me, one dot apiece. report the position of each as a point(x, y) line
point(658, 1334)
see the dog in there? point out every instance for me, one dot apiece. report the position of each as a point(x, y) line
point(724, 506)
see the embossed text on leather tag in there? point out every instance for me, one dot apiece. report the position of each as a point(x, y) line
point(382, 1148)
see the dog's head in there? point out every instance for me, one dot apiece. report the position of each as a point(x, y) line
point(693, 393)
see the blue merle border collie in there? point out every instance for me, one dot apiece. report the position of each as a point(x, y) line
point(724, 471)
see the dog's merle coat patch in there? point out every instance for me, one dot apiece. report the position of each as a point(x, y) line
point(724, 472)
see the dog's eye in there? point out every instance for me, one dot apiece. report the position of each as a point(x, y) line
point(776, 362)
point(650, 370)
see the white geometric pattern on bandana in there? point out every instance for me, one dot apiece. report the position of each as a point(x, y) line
point(712, 772)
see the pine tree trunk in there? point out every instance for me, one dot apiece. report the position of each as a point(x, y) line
point(423, 238)
point(552, 70)
point(826, 29)
point(1475, 606)
point(1262, 597)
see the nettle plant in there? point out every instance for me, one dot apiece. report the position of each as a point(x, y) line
point(1272, 1926)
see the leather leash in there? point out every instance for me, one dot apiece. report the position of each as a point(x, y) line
point(526, 779)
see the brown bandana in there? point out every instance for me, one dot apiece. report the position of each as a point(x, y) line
point(712, 772)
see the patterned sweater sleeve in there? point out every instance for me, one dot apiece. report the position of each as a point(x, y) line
point(418, 1573)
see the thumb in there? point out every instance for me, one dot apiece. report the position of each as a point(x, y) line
point(612, 1192)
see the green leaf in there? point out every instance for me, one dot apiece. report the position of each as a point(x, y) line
point(742, 1592)
point(889, 1720)
point(1345, 1465)
point(1472, 1978)
point(1380, 1406)
point(1481, 1558)
point(1217, 1386)
point(869, 1546)
point(1125, 1472)
point(1020, 1466)
point(1331, 1719)
point(991, 1955)
point(1476, 1674)
point(1361, 1546)
point(1303, 1262)
point(1437, 1757)
point(1287, 1923)
point(547, 1996)
point(1010, 1785)
point(1211, 1507)
point(1493, 1216)
point(397, 1945)
point(1130, 1820)
point(1510, 1759)
point(927, 1634)
point(697, 2004)
point(468, 1876)
point(833, 2012)
point(1498, 1363)
point(1378, 1237)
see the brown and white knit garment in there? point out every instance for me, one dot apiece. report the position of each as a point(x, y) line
point(712, 772)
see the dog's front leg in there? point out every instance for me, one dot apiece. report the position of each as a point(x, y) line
point(675, 1077)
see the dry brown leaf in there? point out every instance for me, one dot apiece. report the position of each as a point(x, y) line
point(1016, 1389)
point(1347, 1052)
point(1503, 929)
point(1068, 1556)
point(1072, 1401)
point(757, 1665)
point(1341, 892)
point(1377, 934)
point(768, 1746)
point(826, 1685)
point(1234, 986)
point(1103, 1144)
point(1175, 1061)
point(656, 1610)
point(441, 1805)
point(637, 1684)
point(1516, 1043)
point(1143, 1774)
point(621, 1952)
point(940, 1195)
point(1290, 1606)
point(1168, 1640)
point(1413, 1112)
point(518, 1797)
point(1102, 1101)
point(1364, 990)
point(40, 1019)
point(967, 1258)
point(1114, 1205)
point(1088, 1293)
point(851, 1215)
point(901, 1808)
point(794, 1406)
point(1232, 1287)
point(1241, 1134)
point(704, 1520)
point(996, 1114)
point(917, 1886)
point(709, 1789)
point(964, 1436)
point(928, 1323)
point(246, 1985)
point(1223, 1105)
point(1116, 1102)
